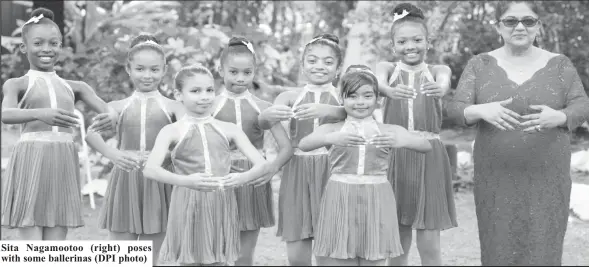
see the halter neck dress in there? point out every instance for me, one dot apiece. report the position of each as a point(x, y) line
point(305, 174)
point(358, 218)
point(203, 227)
point(41, 186)
point(422, 181)
point(254, 203)
point(134, 204)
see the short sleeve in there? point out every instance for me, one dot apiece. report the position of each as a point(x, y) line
point(577, 102)
point(465, 92)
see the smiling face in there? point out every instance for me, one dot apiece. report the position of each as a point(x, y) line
point(320, 64)
point(146, 69)
point(238, 72)
point(42, 44)
point(410, 42)
point(197, 94)
point(361, 103)
point(516, 33)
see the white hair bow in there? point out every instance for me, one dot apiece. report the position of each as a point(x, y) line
point(249, 46)
point(400, 16)
point(34, 19)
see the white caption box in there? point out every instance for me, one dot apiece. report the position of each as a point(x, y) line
point(76, 253)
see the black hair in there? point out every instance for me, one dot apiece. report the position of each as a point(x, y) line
point(503, 6)
point(47, 19)
point(415, 15)
point(144, 41)
point(355, 77)
point(329, 40)
point(189, 71)
point(238, 45)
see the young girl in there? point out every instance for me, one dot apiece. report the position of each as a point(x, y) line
point(422, 182)
point(304, 176)
point(356, 224)
point(41, 188)
point(135, 206)
point(204, 224)
point(237, 105)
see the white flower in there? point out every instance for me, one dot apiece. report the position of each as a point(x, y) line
point(34, 19)
point(400, 16)
point(249, 46)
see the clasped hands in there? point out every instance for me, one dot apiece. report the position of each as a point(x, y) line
point(505, 119)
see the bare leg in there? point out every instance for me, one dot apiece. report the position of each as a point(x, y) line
point(428, 245)
point(327, 261)
point(54, 233)
point(31, 233)
point(300, 252)
point(406, 236)
point(248, 241)
point(364, 262)
point(157, 239)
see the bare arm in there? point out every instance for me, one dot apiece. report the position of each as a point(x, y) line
point(317, 139)
point(285, 150)
point(242, 143)
point(411, 141)
point(443, 77)
point(267, 118)
point(383, 71)
point(11, 114)
point(153, 167)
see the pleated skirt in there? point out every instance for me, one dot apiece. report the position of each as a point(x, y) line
point(422, 183)
point(135, 204)
point(254, 204)
point(358, 220)
point(301, 187)
point(203, 228)
point(41, 186)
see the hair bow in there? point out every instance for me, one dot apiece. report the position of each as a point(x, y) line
point(34, 19)
point(249, 46)
point(400, 16)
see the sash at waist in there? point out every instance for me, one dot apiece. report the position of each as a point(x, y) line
point(358, 179)
point(47, 136)
point(319, 151)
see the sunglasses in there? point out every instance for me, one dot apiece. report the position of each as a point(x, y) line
point(527, 21)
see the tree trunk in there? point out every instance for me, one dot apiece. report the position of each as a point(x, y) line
point(58, 11)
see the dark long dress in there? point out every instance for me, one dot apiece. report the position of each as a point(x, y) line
point(522, 180)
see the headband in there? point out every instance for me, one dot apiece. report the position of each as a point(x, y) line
point(400, 16)
point(151, 42)
point(34, 19)
point(358, 69)
point(319, 38)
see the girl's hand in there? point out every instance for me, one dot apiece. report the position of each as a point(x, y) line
point(310, 111)
point(232, 180)
point(125, 160)
point(395, 140)
point(345, 139)
point(203, 182)
point(496, 114)
point(58, 117)
point(401, 92)
point(432, 89)
point(103, 122)
point(277, 113)
point(548, 118)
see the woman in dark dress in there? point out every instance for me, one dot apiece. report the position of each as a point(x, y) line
point(525, 101)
